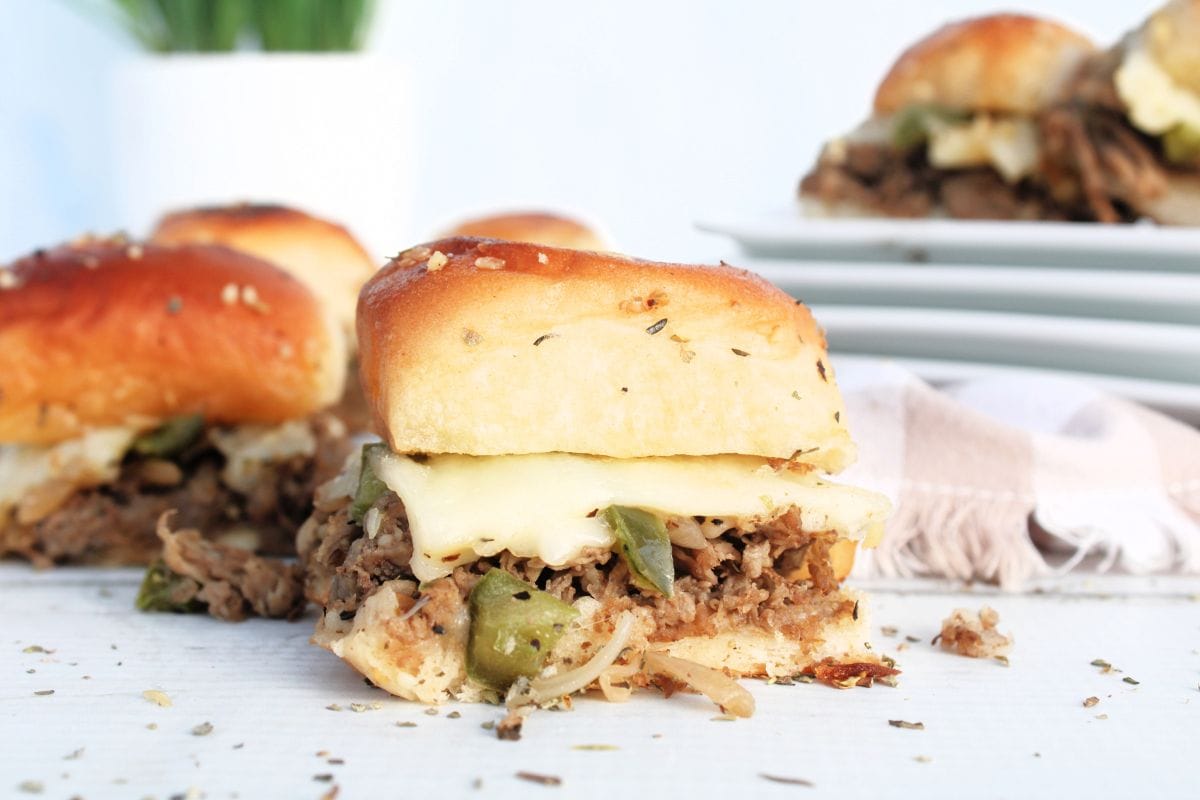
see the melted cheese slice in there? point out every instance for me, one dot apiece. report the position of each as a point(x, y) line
point(1009, 144)
point(95, 458)
point(461, 508)
point(1155, 101)
point(88, 460)
point(248, 448)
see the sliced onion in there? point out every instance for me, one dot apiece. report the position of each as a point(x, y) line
point(611, 679)
point(248, 448)
point(556, 686)
point(711, 529)
point(685, 532)
point(343, 484)
point(42, 501)
point(712, 683)
point(422, 601)
point(372, 522)
point(243, 537)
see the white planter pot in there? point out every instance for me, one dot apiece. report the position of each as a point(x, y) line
point(330, 134)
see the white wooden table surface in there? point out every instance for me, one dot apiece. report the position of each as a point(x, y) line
point(990, 731)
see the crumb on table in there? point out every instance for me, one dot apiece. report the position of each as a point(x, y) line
point(974, 634)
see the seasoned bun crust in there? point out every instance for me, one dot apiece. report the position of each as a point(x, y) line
point(532, 227)
point(1172, 35)
point(323, 255)
point(107, 333)
point(488, 348)
point(1007, 63)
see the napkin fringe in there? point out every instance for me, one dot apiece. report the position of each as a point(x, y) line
point(1009, 541)
point(1017, 479)
point(1189, 500)
point(1141, 533)
point(965, 539)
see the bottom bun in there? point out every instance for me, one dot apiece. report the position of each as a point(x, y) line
point(388, 640)
point(814, 208)
point(1180, 204)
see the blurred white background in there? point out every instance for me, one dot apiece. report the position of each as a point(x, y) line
point(644, 116)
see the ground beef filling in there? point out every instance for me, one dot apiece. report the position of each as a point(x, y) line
point(115, 523)
point(740, 577)
point(877, 177)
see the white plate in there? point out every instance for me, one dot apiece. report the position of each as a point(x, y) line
point(787, 233)
point(1152, 297)
point(1146, 350)
point(1179, 400)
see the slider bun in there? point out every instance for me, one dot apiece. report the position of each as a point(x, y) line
point(321, 254)
point(390, 644)
point(533, 227)
point(1172, 35)
point(487, 348)
point(1007, 63)
point(815, 207)
point(107, 333)
point(1179, 204)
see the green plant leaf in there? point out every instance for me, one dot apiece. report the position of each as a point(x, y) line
point(227, 18)
point(218, 26)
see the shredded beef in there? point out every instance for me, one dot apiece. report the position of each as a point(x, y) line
point(1093, 84)
point(745, 575)
point(1097, 162)
point(231, 582)
point(115, 523)
point(902, 183)
point(983, 194)
point(875, 177)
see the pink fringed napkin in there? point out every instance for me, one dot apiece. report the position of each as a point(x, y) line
point(1008, 479)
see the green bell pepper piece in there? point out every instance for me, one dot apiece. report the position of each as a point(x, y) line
point(370, 487)
point(1181, 144)
point(514, 626)
point(911, 126)
point(646, 547)
point(171, 438)
point(164, 590)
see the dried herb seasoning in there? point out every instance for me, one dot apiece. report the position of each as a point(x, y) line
point(785, 779)
point(908, 726)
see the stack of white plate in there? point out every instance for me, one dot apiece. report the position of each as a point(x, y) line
point(1118, 307)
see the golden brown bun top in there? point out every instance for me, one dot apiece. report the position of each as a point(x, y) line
point(488, 347)
point(318, 252)
point(1172, 35)
point(104, 333)
point(1007, 63)
point(534, 227)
